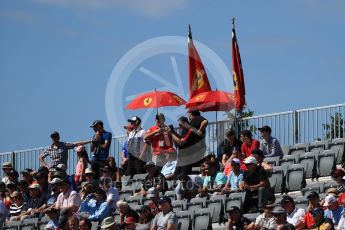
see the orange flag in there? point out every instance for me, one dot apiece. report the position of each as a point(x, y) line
point(197, 77)
point(237, 73)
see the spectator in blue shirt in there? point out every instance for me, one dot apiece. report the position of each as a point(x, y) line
point(100, 146)
point(269, 145)
point(95, 207)
point(333, 211)
point(169, 167)
point(235, 177)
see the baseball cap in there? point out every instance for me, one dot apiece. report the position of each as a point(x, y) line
point(287, 198)
point(233, 209)
point(54, 134)
point(26, 171)
point(108, 222)
point(329, 200)
point(333, 191)
point(236, 161)
point(278, 210)
point(56, 181)
point(61, 167)
point(258, 152)
point(265, 128)
point(35, 186)
point(163, 199)
point(60, 174)
point(7, 165)
point(89, 171)
point(96, 122)
point(149, 164)
point(250, 160)
point(313, 194)
point(151, 192)
point(134, 119)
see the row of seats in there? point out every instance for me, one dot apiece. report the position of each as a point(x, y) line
point(27, 224)
point(338, 145)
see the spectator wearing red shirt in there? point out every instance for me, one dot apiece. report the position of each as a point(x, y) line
point(314, 202)
point(249, 144)
point(159, 140)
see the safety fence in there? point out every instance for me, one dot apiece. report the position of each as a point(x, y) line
point(291, 127)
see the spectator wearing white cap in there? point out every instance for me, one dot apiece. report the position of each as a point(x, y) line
point(334, 211)
point(37, 199)
point(235, 178)
point(153, 195)
point(255, 182)
point(58, 151)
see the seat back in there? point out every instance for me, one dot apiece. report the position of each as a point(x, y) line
point(276, 179)
point(295, 177)
point(171, 195)
point(94, 225)
point(184, 219)
point(298, 148)
point(326, 163)
point(339, 148)
point(201, 221)
point(318, 187)
point(273, 161)
point(232, 201)
point(124, 194)
point(195, 205)
point(309, 163)
point(302, 203)
point(251, 216)
point(217, 206)
point(179, 205)
point(329, 184)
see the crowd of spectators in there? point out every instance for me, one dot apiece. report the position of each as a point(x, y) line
point(164, 155)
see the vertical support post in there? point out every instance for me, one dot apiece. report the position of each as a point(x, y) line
point(295, 128)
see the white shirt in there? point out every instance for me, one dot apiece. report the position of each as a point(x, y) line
point(263, 222)
point(136, 139)
point(295, 216)
point(112, 197)
point(341, 224)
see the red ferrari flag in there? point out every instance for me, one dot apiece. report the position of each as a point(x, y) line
point(237, 72)
point(197, 77)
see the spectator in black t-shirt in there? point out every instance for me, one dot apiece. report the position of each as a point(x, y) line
point(198, 122)
point(191, 149)
point(255, 182)
point(153, 179)
point(227, 146)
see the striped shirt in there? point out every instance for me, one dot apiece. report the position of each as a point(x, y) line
point(58, 153)
point(16, 210)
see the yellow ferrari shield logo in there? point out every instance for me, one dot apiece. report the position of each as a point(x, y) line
point(147, 101)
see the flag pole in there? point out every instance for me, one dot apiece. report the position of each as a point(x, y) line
point(156, 101)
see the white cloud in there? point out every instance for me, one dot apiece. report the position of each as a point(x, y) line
point(153, 8)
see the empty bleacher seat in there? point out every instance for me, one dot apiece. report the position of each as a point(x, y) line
point(185, 219)
point(134, 199)
point(339, 146)
point(285, 149)
point(171, 195)
point(318, 146)
point(317, 187)
point(298, 148)
point(309, 161)
point(329, 184)
point(217, 205)
point(139, 177)
point(326, 163)
point(295, 177)
point(232, 201)
point(124, 194)
point(301, 202)
point(179, 205)
point(251, 216)
point(273, 161)
point(195, 204)
point(276, 179)
point(202, 220)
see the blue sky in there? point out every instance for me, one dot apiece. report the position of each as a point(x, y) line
point(57, 57)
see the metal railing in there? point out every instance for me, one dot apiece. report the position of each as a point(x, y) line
point(291, 127)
